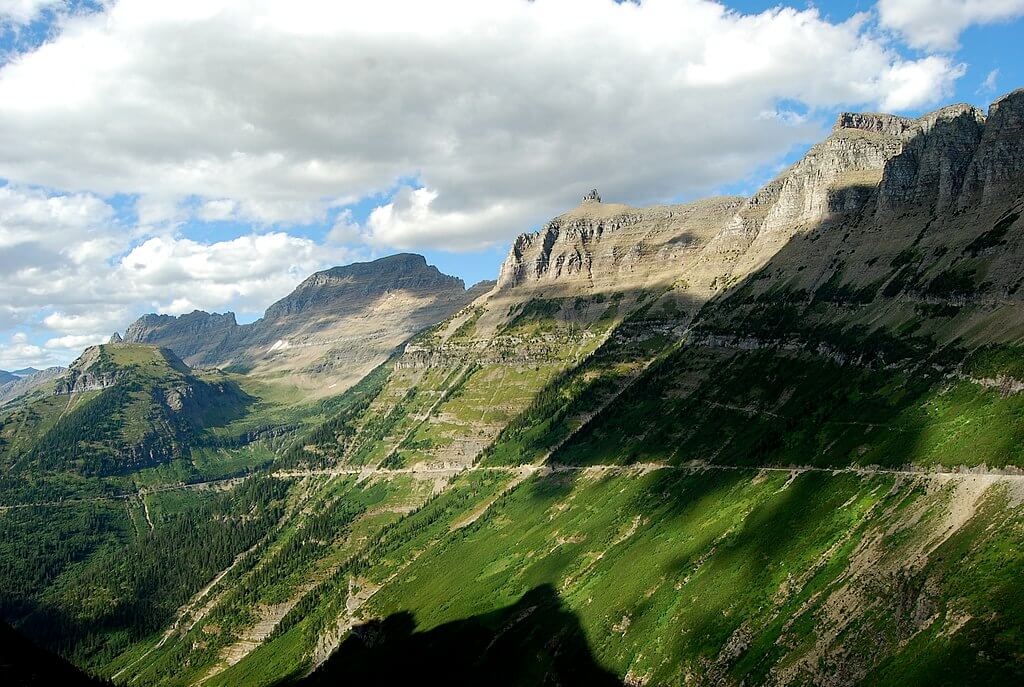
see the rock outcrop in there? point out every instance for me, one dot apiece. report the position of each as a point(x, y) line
point(96, 369)
point(196, 336)
point(610, 247)
point(995, 167)
point(927, 198)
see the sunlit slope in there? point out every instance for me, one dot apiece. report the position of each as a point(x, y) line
point(762, 441)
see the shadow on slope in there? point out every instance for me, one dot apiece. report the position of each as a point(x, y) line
point(862, 341)
point(23, 664)
point(536, 641)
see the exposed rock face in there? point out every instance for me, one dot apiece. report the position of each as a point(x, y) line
point(880, 191)
point(929, 173)
point(115, 338)
point(345, 289)
point(331, 330)
point(93, 371)
point(195, 336)
point(836, 176)
point(997, 162)
point(873, 122)
point(929, 234)
point(608, 247)
point(592, 196)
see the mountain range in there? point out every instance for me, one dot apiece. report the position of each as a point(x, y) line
point(764, 440)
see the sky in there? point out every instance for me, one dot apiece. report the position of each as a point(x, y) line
point(211, 154)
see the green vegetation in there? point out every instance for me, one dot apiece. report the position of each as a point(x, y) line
point(778, 408)
point(111, 585)
point(759, 494)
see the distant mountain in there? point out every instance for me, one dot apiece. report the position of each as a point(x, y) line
point(330, 331)
point(118, 408)
point(6, 377)
point(27, 380)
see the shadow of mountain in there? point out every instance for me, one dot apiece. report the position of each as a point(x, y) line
point(23, 664)
point(535, 641)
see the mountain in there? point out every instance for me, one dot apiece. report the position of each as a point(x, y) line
point(27, 380)
point(773, 440)
point(118, 408)
point(328, 333)
point(7, 377)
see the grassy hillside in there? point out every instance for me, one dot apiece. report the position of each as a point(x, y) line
point(778, 447)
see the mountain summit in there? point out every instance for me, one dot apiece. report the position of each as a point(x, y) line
point(330, 331)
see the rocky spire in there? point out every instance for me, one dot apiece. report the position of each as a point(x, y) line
point(592, 197)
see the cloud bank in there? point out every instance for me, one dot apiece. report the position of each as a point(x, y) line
point(461, 123)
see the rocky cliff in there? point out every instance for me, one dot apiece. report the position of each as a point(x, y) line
point(196, 336)
point(609, 247)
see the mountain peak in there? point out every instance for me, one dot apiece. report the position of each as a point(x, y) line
point(873, 122)
point(347, 286)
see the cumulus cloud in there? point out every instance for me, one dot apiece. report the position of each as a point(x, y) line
point(502, 112)
point(19, 12)
point(72, 274)
point(937, 24)
point(178, 274)
point(75, 342)
point(17, 353)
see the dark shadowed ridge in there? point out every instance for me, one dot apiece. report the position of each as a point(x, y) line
point(536, 641)
point(23, 664)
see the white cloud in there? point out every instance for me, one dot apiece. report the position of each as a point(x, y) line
point(71, 274)
point(990, 84)
point(937, 24)
point(75, 342)
point(18, 353)
point(912, 82)
point(23, 11)
point(88, 324)
point(504, 112)
point(218, 210)
point(176, 275)
point(345, 229)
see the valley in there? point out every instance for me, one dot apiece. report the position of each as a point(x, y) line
point(766, 440)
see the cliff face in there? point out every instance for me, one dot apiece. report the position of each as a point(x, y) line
point(345, 289)
point(608, 247)
point(195, 336)
point(331, 330)
point(885, 204)
point(995, 167)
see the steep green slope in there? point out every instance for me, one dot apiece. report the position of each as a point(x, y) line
point(772, 441)
point(119, 409)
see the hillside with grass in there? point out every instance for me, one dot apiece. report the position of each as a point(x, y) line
point(772, 440)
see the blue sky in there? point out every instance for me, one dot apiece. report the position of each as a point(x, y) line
point(152, 163)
